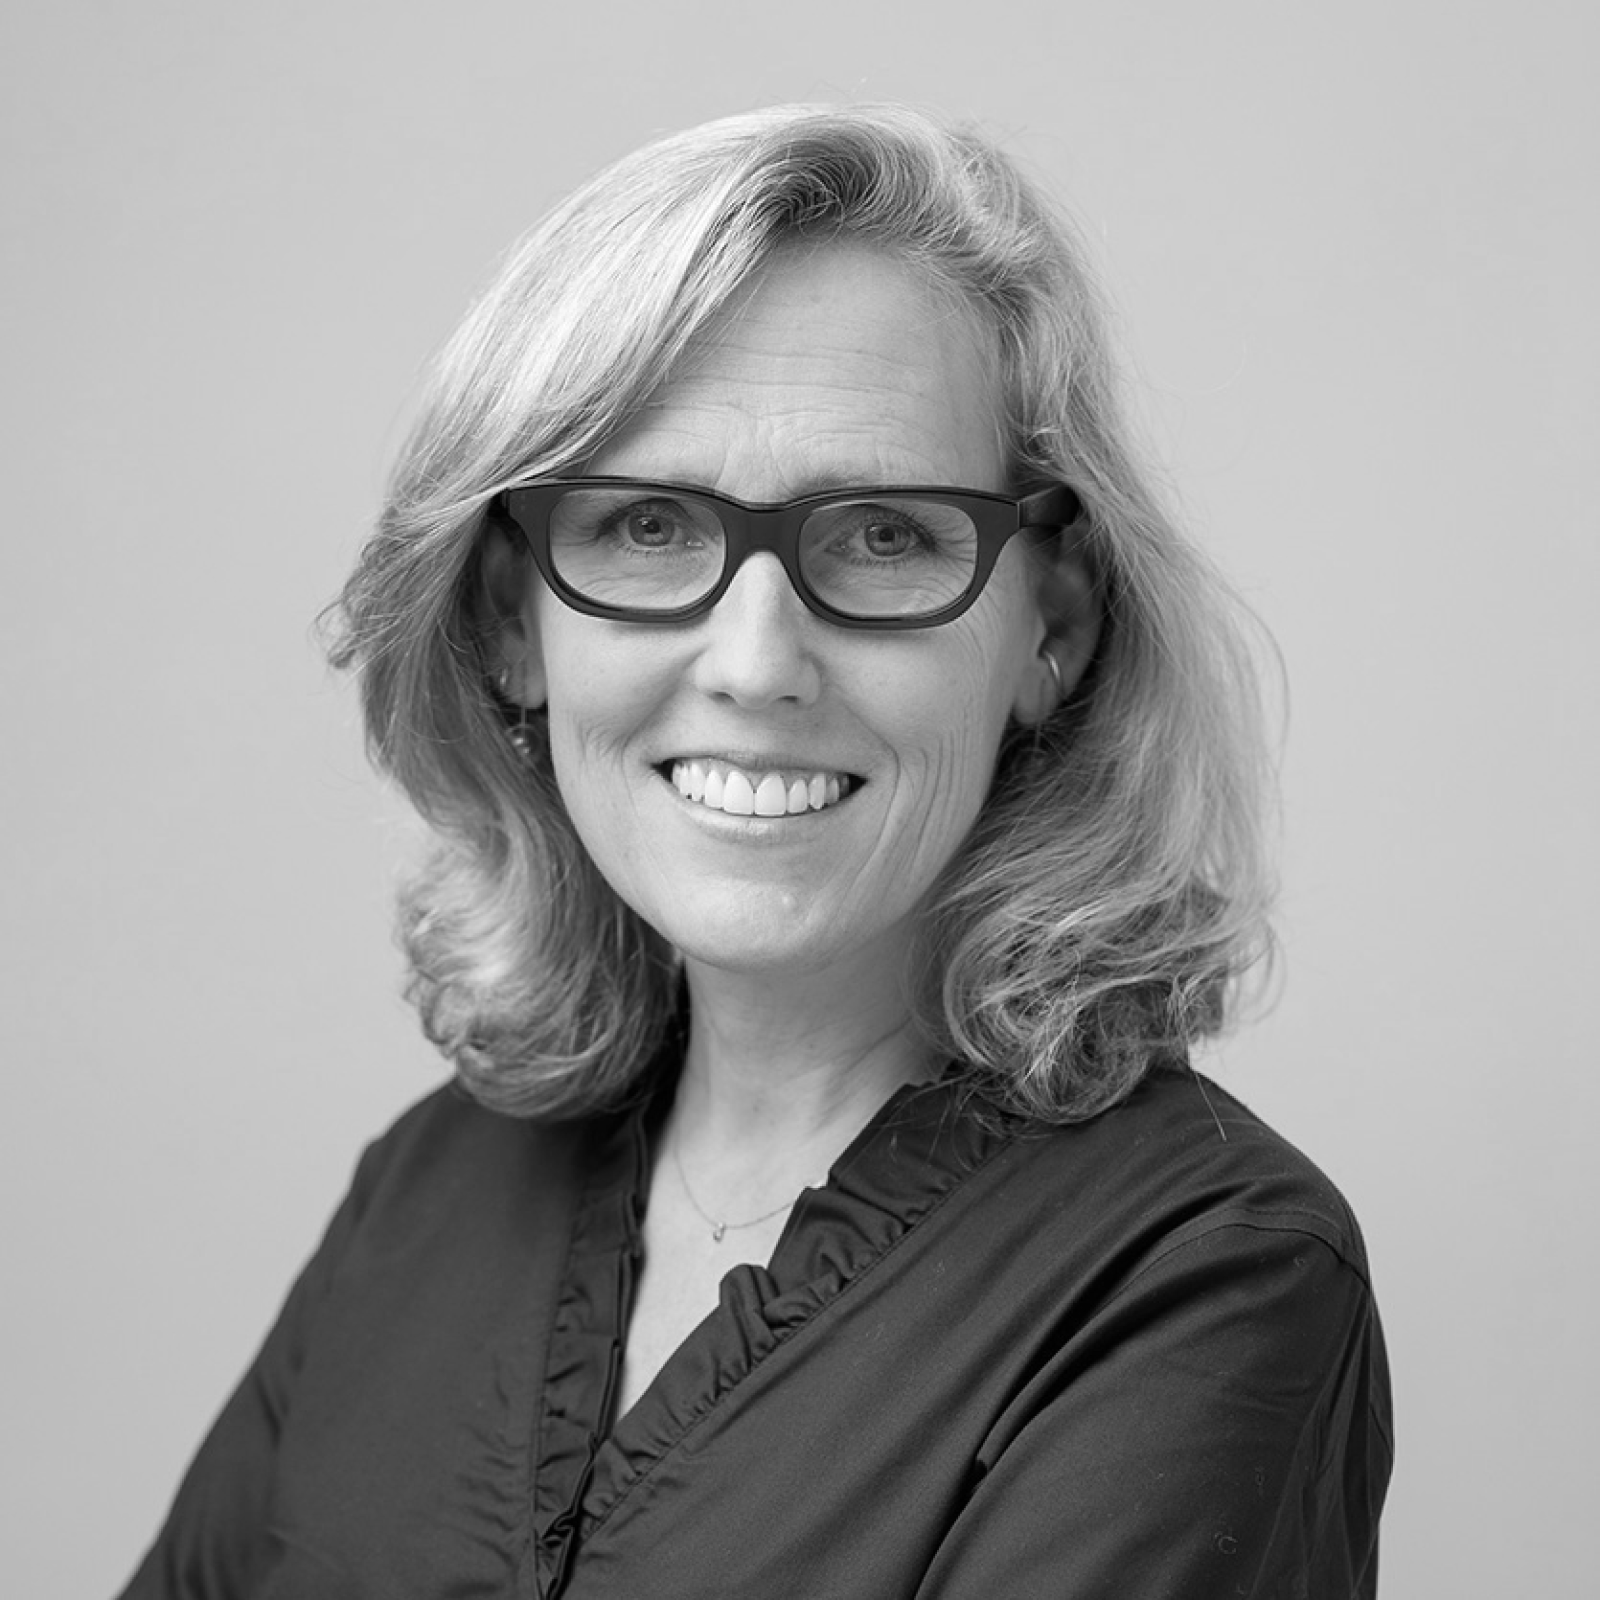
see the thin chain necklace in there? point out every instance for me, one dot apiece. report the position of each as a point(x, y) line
point(717, 1227)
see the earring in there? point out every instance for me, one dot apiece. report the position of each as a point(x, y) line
point(1055, 672)
point(518, 732)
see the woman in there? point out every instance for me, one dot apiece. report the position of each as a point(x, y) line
point(845, 791)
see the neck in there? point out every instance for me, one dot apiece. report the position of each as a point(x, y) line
point(793, 1067)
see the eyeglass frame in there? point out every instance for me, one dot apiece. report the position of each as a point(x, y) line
point(752, 526)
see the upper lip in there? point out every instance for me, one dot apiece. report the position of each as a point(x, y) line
point(766, 761)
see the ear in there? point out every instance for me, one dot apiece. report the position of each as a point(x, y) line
point(1070, 616)
point(503, 598)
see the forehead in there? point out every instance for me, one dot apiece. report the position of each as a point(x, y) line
point(836, 366)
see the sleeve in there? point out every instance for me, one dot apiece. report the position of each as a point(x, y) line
point(1220, 1429)
point(213, 1542)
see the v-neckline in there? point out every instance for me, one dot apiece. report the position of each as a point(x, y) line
point(914, 1151)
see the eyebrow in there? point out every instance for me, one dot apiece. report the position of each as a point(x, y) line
point(834, 482)
point(824, 481)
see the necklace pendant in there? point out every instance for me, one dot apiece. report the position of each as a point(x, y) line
point(717, 1232)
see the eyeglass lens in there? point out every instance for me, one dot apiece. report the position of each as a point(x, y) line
point(889, 556)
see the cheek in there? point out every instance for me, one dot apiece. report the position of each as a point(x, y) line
point(594, 693)
point(952, 727)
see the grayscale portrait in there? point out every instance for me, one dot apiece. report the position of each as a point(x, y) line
point(801, 806)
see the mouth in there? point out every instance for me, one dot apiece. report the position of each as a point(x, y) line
point(758, 791)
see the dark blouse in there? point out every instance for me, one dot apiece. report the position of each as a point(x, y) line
point(1135, 1357)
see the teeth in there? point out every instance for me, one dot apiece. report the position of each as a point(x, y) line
point(738, 797)
point(738, 793)
point(772, 798)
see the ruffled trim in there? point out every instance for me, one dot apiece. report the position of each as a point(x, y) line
point(584, 1362)
point(914, 1153)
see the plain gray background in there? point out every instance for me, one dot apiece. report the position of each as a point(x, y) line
point(1353, 247)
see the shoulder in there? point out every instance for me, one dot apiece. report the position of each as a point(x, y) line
point(1181, 1232)
point(1182, 1159)
point(1177, 1303)
point(450, 1194)
point(1177, 1221)
point(446, 1150)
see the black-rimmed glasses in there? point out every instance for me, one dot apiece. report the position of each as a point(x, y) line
point(862, 558)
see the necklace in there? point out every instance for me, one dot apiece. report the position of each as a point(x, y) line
point(719, 1228)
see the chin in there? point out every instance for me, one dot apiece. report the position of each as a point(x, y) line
point(773, 936)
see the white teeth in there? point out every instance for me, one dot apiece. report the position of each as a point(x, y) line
point(738, 793)
point(772, 798)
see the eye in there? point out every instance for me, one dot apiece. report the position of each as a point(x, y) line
point(875, 532)
point(886, 537)
point(650, 525)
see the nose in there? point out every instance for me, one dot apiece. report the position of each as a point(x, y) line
point(757, 645)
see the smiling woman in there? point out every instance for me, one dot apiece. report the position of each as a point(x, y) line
point(841, 361)
point(846, 791)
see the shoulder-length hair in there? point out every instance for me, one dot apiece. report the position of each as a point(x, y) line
point(1112, 892)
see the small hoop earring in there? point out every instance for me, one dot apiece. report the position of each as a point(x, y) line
point(1055, 672)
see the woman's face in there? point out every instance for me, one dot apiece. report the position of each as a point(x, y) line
point(839, 368)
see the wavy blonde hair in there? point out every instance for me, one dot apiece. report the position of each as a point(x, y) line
point(1113, 892)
